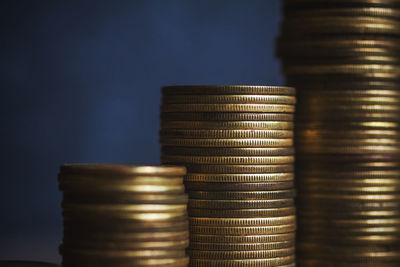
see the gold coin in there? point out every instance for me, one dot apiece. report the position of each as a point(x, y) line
point(237, 239)
point(79, 226)
point(348, 142)
point(238, 169)
point(322, 100)
point(121, 169)
point(129, 236)
point(241, 246)
point(287, 108)
point(345, 204)
point(243, 230)
point(228, 99)
point(119, 245)
point(142, 253)
point(243, 143)
point(230, 151)
point(340, 24)
point(369, 240)
point(350, 181)
point(348, 253)
point(203, 186)
point(235, 255)
point(268, 262)
point(346, 189)
point(367, 125)
point(226, 134)
point(347, 223)
point(364, 197)
point(369, 70)
point(309, 229)
point(226, 116)
point(89, 180)
point(326, 214)
point(365, 2)
point(228, 160)
point(228, 125)
point(352, 107)
point(133, 217)
point(244, 195)
point(242, 213)
point(239, 178)
point(85, 260)
point(347, 135)
point(227, 90)
point(362, 263)
point(344, 11)
point(373, 149)
point(233, 222)
point(386, 95)
point(239, 204)
point(127, 198)
point(122, 187)
point(349, 166)
point(133, 208)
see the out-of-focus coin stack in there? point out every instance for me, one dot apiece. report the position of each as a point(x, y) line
point(236, 142)
point(343, 57)
point(123, 215)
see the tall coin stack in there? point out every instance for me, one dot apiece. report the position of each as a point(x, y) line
point(343, 56)
point(237, 144)
point(123, 216)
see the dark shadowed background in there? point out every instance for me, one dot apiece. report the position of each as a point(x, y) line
point(80, 82)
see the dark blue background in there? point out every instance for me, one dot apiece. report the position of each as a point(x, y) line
point(81, 83)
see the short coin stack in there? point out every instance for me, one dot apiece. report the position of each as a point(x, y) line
point(123, 215)
point(236, 142)
point(343, 56)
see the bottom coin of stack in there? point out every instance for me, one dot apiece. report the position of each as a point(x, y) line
point(241, 224)
point(123, 215)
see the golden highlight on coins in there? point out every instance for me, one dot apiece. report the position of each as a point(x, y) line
point(124, 215)
point(237, 145)
point(343, 58)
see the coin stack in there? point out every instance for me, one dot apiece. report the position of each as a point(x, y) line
point(120, 215)
point(343, 56)
point(237, 144)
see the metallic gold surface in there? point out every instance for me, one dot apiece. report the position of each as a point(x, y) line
point(117, 214)
point(237, 144)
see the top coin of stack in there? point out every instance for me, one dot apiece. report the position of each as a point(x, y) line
point(343, 56)
point(237, 144)
point(123, 215)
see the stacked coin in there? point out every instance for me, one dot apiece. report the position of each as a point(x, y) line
point(237, 144)
point(124, 215)
point(344, 58)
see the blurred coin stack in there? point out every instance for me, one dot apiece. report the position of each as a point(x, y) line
point(237, 144)
point(343, 57)
point(123, 215)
